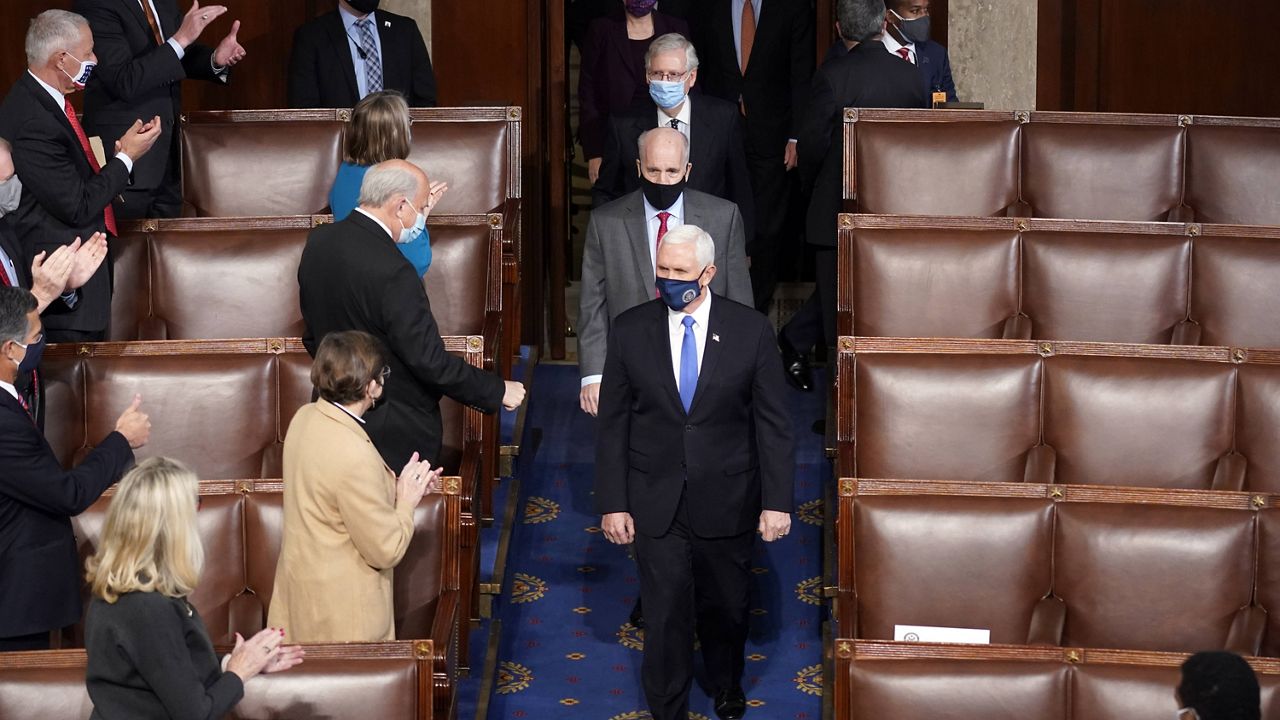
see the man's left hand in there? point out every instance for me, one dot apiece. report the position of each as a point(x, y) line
point(774, 524)
point(789, 157)
point(229, 51)
point(88, 258)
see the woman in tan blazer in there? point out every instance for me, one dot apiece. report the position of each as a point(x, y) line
point(347, 519)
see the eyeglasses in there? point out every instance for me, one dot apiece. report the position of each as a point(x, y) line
point(386, 372)
point(666, 76)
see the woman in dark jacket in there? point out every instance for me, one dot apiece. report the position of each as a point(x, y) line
point(611, 78)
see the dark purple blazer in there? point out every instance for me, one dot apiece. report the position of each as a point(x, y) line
point(612, 76)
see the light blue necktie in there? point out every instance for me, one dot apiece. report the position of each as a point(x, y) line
point(688, 364)
point(372, 62)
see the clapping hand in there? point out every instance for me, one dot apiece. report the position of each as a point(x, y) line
point(49, 273)
point(438, 189)
point(195, 21)
point(229, 51)
point(87, 258)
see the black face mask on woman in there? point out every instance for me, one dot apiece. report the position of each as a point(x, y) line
point(363, 6)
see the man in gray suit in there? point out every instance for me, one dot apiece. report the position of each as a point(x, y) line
point(622, 240)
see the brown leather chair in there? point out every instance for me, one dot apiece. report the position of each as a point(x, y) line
point(941, 688)
point(949, 417)
point(1268, 582)
point(1102, 171)
point(1258, 427)
point(1124, 692)
point(475, 150)
point(391, 680)
point(1156, 577)
point(933, 283)
point(937, 168)
point(1104, 287)
point(972, 562)
point(1231, 170)
point(1141, 422)
point(1233, 290)
point(131, 285)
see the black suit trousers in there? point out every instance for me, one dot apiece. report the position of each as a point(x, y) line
point(815, 321)
point(687, 584)
point(771, 191)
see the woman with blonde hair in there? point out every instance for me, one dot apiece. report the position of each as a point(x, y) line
point(380, 129)
point(149, 653)
point(347, 519)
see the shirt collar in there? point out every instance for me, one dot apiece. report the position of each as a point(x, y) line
point(684, 116)
point(700, 316)
point(9, 388)
point(369, 215)
point(355, 417)
point(54, 93)
point(349, 20)
point(676, 209)
point(891, 43)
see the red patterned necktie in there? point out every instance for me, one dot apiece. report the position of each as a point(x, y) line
point(108, 213)
point(662, 230)
point(905, 53)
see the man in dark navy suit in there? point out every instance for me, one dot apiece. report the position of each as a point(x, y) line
point(40, 592)
point(907, 30)
point(694, 457)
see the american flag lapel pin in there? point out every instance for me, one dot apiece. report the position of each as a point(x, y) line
point(715, 337)
point(386, 23)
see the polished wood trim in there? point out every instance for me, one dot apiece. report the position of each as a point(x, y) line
point(870, 650)
point(1045, 348)
point(340, 115)
point(1229, 500)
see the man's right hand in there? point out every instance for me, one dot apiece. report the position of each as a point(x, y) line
point(195, 21)
point(589, 399)
point(618, 528)
point(138, 139)
point(593, 169)
point(134, 424)
point(49, 273)
point(513, 396)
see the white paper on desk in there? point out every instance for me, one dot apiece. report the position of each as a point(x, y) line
point(926, 633)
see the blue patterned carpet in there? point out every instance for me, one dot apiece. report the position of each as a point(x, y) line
point(567, 650)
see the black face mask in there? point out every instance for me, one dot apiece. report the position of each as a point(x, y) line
point(661, 197)
point(363, 7)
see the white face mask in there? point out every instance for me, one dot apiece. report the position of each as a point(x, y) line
point(1186, 713)
point(81, 78)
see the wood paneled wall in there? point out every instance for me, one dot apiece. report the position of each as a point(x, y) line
point(1158, 56)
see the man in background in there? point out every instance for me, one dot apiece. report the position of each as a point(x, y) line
point(66, 191)
point(907, 35)
point(340, 57)
point(145, 49)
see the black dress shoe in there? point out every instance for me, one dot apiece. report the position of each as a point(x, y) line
point(637, 616)
point(796, 365)
point(731, 704)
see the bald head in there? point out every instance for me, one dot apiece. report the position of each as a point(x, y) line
point(664, 156)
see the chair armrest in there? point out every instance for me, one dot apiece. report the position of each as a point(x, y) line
point(1017, 327)
point(1186, 332)
point(1229, 475)
point(1245, 636)
point(1047, 621)
point(1041, 464)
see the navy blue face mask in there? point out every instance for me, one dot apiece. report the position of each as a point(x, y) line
point(31, 360)
point(677, 294)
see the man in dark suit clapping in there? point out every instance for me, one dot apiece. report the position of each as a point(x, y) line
point(694, 456)
point(352, 277)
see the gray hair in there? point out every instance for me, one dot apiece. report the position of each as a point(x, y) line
point(384, 182)
point(860, 20)
point(15, 305)
point(667, 43)
point(52, 31)
point(704, 246)
point(643, 142)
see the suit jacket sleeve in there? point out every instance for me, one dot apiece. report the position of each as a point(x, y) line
point(33, 476)
point(424, 76)
point(415, 338)
point(802, 52)
point(773, 426)
point(198, 63)
point(613, 431)
point(738, 287)
point(48, 172)
point(815, 133)
point(379, 529)
point(126, 76)
point(948, 84)
point(609, 186)
point(304, 83)
point(593, 306)
point(739, 179)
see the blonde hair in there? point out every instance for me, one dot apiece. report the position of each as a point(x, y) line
point(150, 542)
point(379, 129)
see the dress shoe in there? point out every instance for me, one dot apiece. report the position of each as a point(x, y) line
point(637, 616)
point(731, 704)
point(796, 365)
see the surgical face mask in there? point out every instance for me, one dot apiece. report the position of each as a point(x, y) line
point(661, 197)
point(916, 30)
point(1186, 713)
point(411, 233)
point(31, 360)
point(81, 78)
point(639, 8)
point(364, 7)
point(677, 294)
point(667, 94)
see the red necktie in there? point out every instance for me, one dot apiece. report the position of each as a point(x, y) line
point(905, 53)
point(662, 230)
point(108, 214)
point(747, 39)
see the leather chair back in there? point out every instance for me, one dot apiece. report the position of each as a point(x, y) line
point(1102, 171)
point(1268, 590)
point(36, 692)
point(1124, 692)
point(1258, 428)
point(914, 690)
point(457, 282)
point(1231, 173)
point(131, 286)
point(472, 155)
point(1152, 577)
point(1233, 291)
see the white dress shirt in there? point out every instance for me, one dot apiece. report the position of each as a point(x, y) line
point(892, 45)
point(7, 267)
point(675, 329)
point(61, 101)
point(353, 41)
point(682, 118)
point(10, 389)
point(344, 409)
